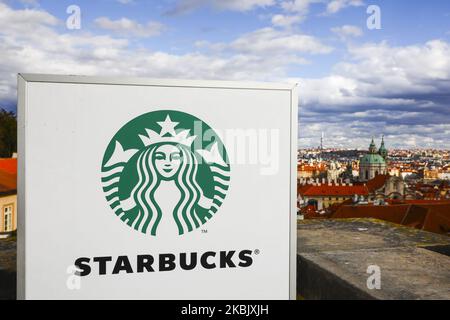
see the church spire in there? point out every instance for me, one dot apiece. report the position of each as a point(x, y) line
point(372, 147)
point(383, 151)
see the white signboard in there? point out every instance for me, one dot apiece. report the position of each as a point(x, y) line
point(156, 189)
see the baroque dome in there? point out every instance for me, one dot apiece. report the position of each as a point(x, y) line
point(372, 159)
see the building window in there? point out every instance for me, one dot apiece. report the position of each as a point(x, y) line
point(367, 175)
point(7, 218)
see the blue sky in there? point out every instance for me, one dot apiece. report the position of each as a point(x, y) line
point(355, 83)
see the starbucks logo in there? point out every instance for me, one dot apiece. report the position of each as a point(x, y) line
point(158, 177)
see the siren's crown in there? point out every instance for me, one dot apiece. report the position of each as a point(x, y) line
point(167, 134)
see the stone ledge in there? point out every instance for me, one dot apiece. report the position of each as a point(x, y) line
point(333, 256)
point(8, 269)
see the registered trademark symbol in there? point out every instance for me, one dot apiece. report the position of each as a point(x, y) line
point(257, 251)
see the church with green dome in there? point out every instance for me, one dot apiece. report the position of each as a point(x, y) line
point(374, 163)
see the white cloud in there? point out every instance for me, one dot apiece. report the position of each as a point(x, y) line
point(296, 11)
point(31, 43)
point(399, 70)
point(127, 27)
point(24, 20)
point(335, 6)
point(298, 6)
point(338, 91)
point(268, 52)
point(270, 41)
point(242, 5)
point(301, 8)
point(347, 31)
point(380, 75)
point(185, 6)
point(286, 21)
point(401, 91)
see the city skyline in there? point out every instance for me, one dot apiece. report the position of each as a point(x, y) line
point(354, 82)
point(322, 145)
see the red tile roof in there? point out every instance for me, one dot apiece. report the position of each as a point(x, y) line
point(378, 182)
point(430, 216)
point(310, 168)
point(8, 165)
point(333, 190)
point(8, 176)
point(438, 219)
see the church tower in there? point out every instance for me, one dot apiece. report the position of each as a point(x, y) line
point(383, 151)
point(373, 163)
point(372, 147)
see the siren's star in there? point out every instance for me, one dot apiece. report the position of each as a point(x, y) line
point(167, 126)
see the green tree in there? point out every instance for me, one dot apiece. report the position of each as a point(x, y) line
point(8, 133)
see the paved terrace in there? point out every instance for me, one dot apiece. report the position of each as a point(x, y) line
point(333, 256)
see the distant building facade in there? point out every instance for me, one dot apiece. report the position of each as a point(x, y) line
point(430, 174)
point(324, 195)
point(333, 172)
point(384, 186)
point(310, 170)
point(8, 196)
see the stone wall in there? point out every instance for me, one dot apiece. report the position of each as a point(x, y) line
point(8, 269)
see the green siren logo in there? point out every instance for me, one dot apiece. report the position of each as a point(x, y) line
point(159, 178)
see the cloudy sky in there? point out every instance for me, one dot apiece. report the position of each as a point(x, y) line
point(355, 82)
